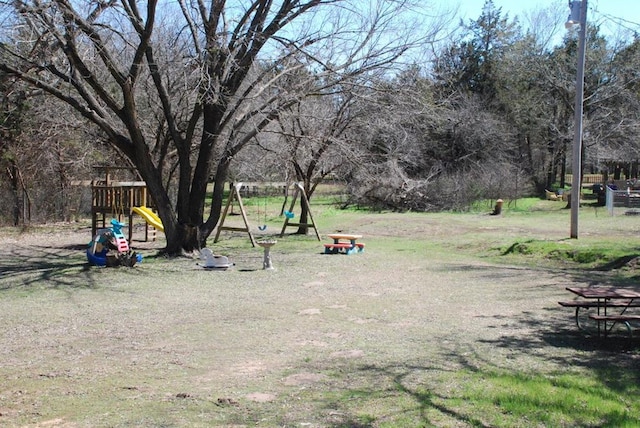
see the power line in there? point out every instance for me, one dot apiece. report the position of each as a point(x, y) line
point(623, 23)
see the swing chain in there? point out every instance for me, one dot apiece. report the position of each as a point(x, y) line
point(264, 198)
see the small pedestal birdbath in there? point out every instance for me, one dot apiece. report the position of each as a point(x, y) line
point(267, 244)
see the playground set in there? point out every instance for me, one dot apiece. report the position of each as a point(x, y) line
point(124, 199)
point(117, 199)
point(236, 198)
point(121, 199)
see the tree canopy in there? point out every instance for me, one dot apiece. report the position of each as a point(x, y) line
point(374, 93)
point(179, 89)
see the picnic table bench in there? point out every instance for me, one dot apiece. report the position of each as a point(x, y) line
point(344, 243)
point(588, 304)
point(604, 299)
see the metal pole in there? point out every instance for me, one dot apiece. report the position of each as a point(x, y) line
point(576, 185)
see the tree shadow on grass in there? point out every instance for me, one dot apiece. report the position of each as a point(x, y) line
point(614, 360)
point(407, 394)
point(27, 267)
point(395, 394)
point(49, 265)
point(550, 334)
point(462, 379)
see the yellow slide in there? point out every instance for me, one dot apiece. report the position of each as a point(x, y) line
point(149, 216)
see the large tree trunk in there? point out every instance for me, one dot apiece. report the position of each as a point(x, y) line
point(189, 236)
point(217, 198)
point(303, 229)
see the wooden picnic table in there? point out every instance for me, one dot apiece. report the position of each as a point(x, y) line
point(611, 304)
point(605, 293)
point(344, 243)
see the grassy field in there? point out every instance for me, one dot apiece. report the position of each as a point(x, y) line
point(446, 320)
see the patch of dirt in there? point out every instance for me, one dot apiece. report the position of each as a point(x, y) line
point(261, 397)
point(302, 379)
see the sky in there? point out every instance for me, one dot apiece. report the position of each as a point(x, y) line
point(611, 15)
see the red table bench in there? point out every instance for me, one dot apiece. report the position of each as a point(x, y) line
point(344, 243)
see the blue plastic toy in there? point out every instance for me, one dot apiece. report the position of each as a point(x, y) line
point(109, 247)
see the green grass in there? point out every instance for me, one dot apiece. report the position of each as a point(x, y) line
point(604, 242)
point(601, 252)
point(522, 205)
point(588, 254)
point(487, 397)
point(560, 399)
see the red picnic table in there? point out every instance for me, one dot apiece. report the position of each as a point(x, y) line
point(344, 243)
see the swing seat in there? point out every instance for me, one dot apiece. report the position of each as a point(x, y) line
point(263, 227)
point(289, 214)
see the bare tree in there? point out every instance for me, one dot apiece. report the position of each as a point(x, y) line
point(39, 154)
point(12, 117)
point(180, 108)
point(317, 136)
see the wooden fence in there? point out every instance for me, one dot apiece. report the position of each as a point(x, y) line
point(587, 179)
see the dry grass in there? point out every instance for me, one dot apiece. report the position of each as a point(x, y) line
point(375, 339)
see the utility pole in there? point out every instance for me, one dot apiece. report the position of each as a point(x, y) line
point(578, 16)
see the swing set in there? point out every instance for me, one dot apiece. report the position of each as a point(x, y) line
point(234, 195)
point(235, 198)
point(289, 215)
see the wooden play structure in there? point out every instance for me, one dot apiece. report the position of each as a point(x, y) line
point(299, 191)
point(234, 196)
point(111, 198)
